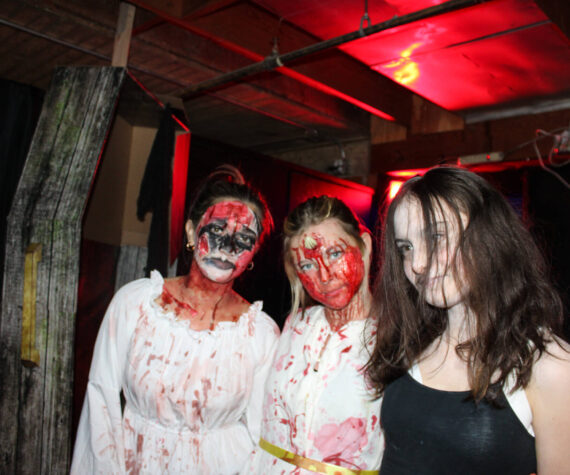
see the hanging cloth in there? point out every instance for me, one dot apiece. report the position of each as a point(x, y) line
point(155, 192)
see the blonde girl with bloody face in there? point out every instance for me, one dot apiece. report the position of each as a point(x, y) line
point(189, 354)
point(319, 414)
point(473, 374)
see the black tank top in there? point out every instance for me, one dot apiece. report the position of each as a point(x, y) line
point(429, 431)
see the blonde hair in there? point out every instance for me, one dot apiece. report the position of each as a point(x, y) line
point(311, 212)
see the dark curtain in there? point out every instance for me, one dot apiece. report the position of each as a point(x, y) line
point(155, 192)
point(20, 107)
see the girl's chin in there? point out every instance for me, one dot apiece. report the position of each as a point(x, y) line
point(337, 303)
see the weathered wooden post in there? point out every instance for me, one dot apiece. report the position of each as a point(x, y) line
point(45, 222)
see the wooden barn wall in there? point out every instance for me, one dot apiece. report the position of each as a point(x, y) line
point(46, 214)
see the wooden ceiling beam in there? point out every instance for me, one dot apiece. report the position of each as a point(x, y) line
point(192, 58)
point(331, 71)
point(558, 11)
point(188, 8)
point(123, 35)
point(211, 59)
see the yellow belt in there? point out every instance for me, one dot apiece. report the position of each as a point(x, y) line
point(309, 464)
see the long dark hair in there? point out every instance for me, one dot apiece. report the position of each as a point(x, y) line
point(514, 307)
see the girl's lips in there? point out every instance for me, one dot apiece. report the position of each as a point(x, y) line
point(332, 293)
point(219, 263)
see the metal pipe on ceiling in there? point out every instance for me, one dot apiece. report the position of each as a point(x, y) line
point(274, 61)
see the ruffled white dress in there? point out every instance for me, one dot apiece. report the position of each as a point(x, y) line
point(328, 415)
point(192, 398)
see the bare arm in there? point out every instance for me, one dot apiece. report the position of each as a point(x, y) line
point(549, 397)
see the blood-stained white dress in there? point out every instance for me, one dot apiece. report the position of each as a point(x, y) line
point(328, 415)
point(193, 399)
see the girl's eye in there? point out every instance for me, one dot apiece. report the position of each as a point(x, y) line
point(335, 254)
point(244, 240)
point(305, 266)
point(404, 248)
point(215, 229)
point(439, 240)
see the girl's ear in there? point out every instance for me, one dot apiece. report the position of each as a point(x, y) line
point(367, 243)
point(189, 229)
point(367, 255)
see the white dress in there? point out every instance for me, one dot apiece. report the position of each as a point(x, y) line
point(328, 415)
point(193, 398)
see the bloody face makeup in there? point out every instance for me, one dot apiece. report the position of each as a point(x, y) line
point(226, 240)
point(328, 263)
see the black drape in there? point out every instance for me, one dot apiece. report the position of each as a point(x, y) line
point(20, 107)
point(155, 192)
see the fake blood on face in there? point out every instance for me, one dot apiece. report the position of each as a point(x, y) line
point(330, 268)
point(226, 240)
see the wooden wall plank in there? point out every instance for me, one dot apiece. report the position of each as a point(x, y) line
point(48, 205)
point(513, 136)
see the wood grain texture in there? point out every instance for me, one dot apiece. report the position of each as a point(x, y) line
point(48, 206)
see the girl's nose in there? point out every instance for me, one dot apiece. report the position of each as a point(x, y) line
point(419, 261)
point(324, 273)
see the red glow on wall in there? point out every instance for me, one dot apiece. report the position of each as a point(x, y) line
point(393, 188)
point(357, 197)
point(407, 173)
point(178, 201)
point(399, 177)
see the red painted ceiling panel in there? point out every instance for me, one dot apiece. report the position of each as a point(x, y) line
point(494, 70)
point(441, 32)
point(492, 53)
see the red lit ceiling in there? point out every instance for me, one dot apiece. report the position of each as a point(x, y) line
point(496, 52)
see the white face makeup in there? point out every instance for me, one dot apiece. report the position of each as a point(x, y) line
point(439, 282)
point(226, 240)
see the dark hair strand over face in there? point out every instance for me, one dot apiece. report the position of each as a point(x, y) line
point(513, 305)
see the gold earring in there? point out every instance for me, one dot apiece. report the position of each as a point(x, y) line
point(189, 247)
point(250, 266)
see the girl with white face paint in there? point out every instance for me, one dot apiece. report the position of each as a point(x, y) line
point(188, 353)
point(474, 375)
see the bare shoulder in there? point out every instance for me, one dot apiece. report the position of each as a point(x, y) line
point(548, 393)
point(551, 371)
point(554, 364)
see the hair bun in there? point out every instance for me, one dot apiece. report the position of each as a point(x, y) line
point(231, 173)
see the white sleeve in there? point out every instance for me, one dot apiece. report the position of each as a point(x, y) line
point(99, 446)
point(267, 337)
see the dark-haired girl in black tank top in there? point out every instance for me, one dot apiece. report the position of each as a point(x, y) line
point(474, 376)
point(429, 431)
